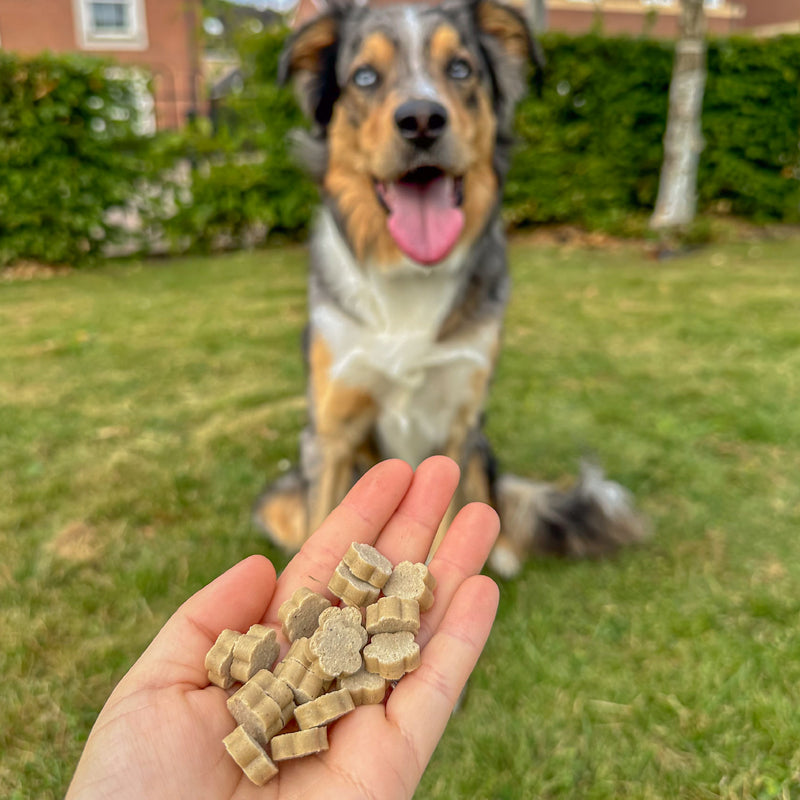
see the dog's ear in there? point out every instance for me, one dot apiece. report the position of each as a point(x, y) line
point(309, 60)
point(507, 26)
point(509, 49)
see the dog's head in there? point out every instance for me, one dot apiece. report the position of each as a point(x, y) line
point(412, 108)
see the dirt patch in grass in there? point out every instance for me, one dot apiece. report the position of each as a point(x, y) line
point(32, 271)
point(77, 542)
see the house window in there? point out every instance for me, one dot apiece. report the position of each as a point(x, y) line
point(111, 17)
point(111, 24)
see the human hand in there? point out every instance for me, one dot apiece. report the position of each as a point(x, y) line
point(160, 733)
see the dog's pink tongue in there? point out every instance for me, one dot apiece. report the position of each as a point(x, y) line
point(424, 220)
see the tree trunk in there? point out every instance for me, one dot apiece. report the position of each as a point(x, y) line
point(683, 142)
point(537, 16)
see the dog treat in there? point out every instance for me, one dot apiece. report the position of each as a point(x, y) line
point(324, 709)
point(392, 615)
point(344, 615)
point(305, 685)
point(365, 562)
point(336, 644)
point(413, 582)
point(256, 712)
point(365, 687)
point(327, 643)
point(278, 690)
point(298, 651)
point(254, 650)
point(250, 756)
point(299, 744)
point(299, 614)
point(220, 657)
point(391, 655)
point(350, 589)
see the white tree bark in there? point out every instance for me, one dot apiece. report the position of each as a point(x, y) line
point(537, 16)
point(683, 142)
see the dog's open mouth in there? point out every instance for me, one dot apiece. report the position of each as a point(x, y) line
point(425, 216)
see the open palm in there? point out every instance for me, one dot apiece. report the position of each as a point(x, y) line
point(160, 733)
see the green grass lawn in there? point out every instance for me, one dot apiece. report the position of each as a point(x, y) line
point(142, 407)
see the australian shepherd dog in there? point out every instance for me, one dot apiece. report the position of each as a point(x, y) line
point(411, 110)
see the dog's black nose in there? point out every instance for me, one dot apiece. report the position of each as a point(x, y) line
point(421, 122)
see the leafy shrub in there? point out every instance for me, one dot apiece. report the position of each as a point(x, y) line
point(68, 152)
point(590, 147)
point(245, 182)
point(751, 119)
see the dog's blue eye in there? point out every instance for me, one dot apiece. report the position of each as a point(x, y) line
point(459, 69)
point(365, 77)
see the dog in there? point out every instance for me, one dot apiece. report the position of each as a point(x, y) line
point(411, 110)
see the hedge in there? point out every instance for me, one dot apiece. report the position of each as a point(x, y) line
point(245, 179)
point(589, 147)
point(751, 119)
point(68, 151)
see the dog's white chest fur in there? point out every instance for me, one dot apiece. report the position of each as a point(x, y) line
point(387, 344)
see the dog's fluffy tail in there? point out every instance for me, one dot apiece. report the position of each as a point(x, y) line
point(593, 518)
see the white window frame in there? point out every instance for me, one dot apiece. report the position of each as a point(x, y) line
point(90, 39)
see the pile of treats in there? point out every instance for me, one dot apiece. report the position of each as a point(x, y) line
point(339, 658)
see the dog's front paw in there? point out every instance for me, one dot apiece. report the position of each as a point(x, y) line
point(280, 512)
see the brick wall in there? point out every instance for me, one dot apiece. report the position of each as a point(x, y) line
point(168, 47)
point(632, 17)
point(771, 12)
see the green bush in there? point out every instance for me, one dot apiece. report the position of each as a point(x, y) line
point(751, 119)
point(590, 147)
point(68, 152)
point(245, 183)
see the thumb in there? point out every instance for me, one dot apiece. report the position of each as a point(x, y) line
point(237, 599)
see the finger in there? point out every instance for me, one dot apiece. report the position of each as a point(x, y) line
point(421, 704)
point(463, 552)
point(359, 517)
point(236, 599)
point(407, 536)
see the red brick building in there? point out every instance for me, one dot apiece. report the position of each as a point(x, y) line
point(660, 17)
point(160, 35)
point(653, 17)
